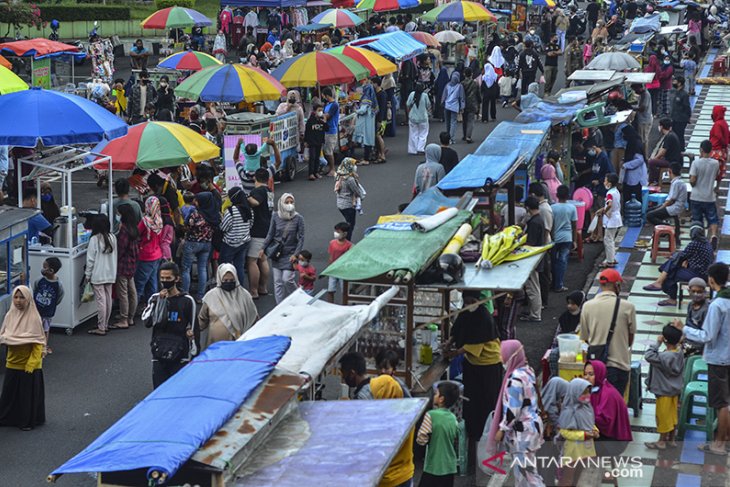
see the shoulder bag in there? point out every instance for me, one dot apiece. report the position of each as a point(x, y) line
point(276, 247)
point(600, 352)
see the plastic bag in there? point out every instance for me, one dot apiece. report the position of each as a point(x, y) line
point(593, 224)
point(88, 294)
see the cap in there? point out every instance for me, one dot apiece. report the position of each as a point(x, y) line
point(609, 275)
point(697, 281)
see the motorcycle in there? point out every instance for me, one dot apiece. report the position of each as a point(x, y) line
point(54, 30)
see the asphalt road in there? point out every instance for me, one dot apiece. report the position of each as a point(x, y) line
point(92, 381)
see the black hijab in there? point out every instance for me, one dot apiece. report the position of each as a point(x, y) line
point(209, 208)
point(239, 200)
point(472, 327)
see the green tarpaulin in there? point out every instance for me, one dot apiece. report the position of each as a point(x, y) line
point(385, 250)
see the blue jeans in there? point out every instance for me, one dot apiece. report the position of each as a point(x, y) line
point(561, 251)
point(450, 123)
point(200, 251)
point(702, 210)
point(146, 277)
point(235, 256)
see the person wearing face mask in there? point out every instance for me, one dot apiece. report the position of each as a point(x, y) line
point(578, 429)
point(293, 104)
point(143, 93)
point(49, 207)
point(608, 311)
point(552, 53)
point(314, 139)
point(475, 336)
point(175, 333)
point(681, 111)
point(165, 96)
point(696, 313)
point(283, 243)
point(609, 409)
point(228, 309)
point(664, 75)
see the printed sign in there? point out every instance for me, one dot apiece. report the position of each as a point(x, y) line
point(42, 73)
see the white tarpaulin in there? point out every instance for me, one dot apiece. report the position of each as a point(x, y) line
point(317, 330)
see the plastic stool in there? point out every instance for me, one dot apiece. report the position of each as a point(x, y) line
point(719, 66)
point(657, 199)
point(693, 367)
point(691, 390)
point(635, 393)
point(656, 250)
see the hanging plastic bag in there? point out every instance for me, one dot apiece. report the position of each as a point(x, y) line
point(593, 224)
point(88, 294)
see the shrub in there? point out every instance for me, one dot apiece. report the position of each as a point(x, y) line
point(69, 13)
point(160, 4)
point(20, 14)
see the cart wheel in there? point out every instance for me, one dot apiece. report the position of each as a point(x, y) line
point(69, 331)
point(291, 168)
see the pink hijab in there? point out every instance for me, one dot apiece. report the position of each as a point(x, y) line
point(513, 357)
point(612, 415)
point(549, 177)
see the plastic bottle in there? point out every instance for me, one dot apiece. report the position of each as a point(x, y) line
point(633, 212)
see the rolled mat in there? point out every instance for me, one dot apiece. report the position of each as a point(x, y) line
point(428, 224)
point(458, 240)
point(718, 80)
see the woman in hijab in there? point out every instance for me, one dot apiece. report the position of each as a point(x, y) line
point(577, 425)
point(293, 104)
point(609, 408)
point(475, 335)
point(653, 87)
point(490, 92)
point(691, 262)
point(288, 50)
point(348, 190)
point(531, 98)
point(439, 86)
point(401, 468)
point(517, 419)
point(200, 225)
point(49, 207)
point(429, 172)
point(228, 309)
point(22, 402)
point(719, 137)
point(236, 228)
point(150, 250)
point(549, 178)
point(283, 244)
point(496, 59)
point(365, 123)
point(552, 400)
point(453, 101)
point(418, 105)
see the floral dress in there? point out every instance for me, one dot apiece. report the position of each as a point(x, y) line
point(522, 425)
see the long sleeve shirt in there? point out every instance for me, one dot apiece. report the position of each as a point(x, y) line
point(665, 371)
point(715, 333)
point(635, 171)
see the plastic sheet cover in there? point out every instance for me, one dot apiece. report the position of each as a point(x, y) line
point(164, 430)
point(398, 45)
point(429, 202)
point(475, 171)
point(554, 113)
point(643, 25)
point(383, 250)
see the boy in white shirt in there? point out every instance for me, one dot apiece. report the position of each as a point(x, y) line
point(612, 222)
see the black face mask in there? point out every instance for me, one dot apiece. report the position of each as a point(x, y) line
point(168, 284)
point(228, 285)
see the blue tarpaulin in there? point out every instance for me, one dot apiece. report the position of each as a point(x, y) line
point(474, 171)
point(508, 136)
point(429, 202)
point(554, 113)
point(643, 25)
point(397, 45)
point(311, 27)
point(164, 430)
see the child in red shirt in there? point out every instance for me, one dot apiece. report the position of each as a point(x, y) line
point(336, 249)
point(307, 272)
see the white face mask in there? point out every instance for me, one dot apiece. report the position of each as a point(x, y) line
point(320, 114)
point(337, 235)
point(289, 206)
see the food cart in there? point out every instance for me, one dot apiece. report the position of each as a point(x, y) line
point(13, 251)
point(70, 238)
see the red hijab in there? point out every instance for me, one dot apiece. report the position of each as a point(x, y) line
point(612, 415)
point(719, 134)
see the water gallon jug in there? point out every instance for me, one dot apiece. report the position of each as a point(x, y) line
point(633, 212)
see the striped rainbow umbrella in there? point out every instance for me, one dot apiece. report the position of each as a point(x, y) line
point(387, 5)
point(460, 11)
point(189, 61)
point(319, 68)
point(231, 83)
point(338, 18)
point(175, 18)
point(374, 62)
point(152, 145)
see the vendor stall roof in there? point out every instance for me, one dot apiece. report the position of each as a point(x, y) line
point(643, 25)
point(164, 430)
point(397, 45)
point(508, 136)
point(476, 171)
point(641, 78)
point(342, 443)
point(591, 75)
point(509, 276)
point(430, 201)
point(673, 29)
point(383, 250)
point(591, 89)
point(549, 111)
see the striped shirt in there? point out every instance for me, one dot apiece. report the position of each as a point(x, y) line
point(236, 231)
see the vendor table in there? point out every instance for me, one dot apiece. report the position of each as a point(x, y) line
point(64, 161)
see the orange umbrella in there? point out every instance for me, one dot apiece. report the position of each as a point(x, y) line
point(426, 38)
point(4, 62)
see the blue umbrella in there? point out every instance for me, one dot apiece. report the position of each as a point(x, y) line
point(312, 27)
point(55, 118)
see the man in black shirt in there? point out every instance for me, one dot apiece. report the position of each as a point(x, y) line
point(667, 150)
point(535, 231)
point(449, 158)
point(261, 200)
point(592, 11)
point(528, 64)
point(680, 109)
point(552, 51)
point(175, 334)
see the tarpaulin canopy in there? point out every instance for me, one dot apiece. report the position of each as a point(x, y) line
point(397, 45)
point(508, 136)
point(429, 202)
point(382, 251)
point(39, 48)
point(553, 113)
point(476, 171)
point(642, 25)
point(164, 430)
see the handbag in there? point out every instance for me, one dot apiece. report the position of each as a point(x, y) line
point(168, 347)
point(600, 352)
point(276, 247)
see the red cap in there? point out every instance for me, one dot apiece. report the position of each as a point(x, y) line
point(609, 275)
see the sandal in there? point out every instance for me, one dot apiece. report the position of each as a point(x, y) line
point(706, 448)
point(96, 331)
point(118, 326)
point(654, 445)
point(652, 287)
point(666, 302)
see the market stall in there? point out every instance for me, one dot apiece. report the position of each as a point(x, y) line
point(70, 237)
point(46, 58)
point(13, 251)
